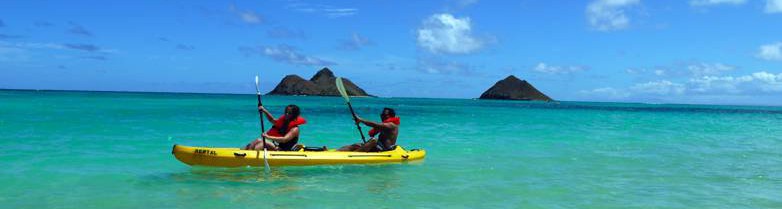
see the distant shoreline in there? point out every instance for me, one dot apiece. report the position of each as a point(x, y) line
point(207, 93)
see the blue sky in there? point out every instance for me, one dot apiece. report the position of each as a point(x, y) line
point(699, 51)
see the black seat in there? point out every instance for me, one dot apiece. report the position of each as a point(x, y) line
point(315, 149)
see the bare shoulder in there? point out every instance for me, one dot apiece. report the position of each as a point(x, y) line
point(391, 125)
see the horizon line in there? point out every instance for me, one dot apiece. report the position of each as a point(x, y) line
point(229, 93)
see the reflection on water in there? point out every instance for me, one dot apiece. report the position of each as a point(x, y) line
point(284, 187)
point(375, 179)
point(386, 179)
point(379, 177)
point(235, 175)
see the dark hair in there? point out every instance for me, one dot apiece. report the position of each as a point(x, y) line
point(294, 113)
point(391, 112)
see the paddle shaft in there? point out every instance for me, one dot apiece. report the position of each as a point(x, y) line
point(357, 125)
point(260, 113)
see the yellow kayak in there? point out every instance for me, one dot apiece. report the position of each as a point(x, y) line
point(235, 157)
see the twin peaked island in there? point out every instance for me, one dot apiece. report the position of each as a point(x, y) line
point(323, 84)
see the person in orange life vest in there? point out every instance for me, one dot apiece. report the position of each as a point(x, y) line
point(285, 130)
point(386, 131)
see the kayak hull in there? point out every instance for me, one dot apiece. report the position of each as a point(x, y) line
point(235, 157)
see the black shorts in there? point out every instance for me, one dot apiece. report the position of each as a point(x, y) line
point(379, 148)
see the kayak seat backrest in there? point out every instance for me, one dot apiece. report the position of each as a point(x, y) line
point(314, 149)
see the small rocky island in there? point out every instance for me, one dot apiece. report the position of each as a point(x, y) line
point(323, 83)
point(512, 88)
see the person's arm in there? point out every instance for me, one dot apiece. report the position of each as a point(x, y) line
point(269, 115)
point(293, 133)
point(383, 126)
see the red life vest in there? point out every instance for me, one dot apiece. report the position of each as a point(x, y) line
point(374, 131)
point(275, 130)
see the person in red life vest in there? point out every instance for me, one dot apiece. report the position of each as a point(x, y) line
point(386, 132)
point(285, 131)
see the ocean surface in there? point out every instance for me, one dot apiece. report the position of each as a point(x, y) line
point(113, 150)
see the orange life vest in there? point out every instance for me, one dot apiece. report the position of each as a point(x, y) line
point(276, 131)
point(374, 131)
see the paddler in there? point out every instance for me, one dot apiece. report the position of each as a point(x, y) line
point(285, 130)
point(386, 132)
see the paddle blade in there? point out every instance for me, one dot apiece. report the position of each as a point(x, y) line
point(256, 84)
point(265, 162)
point(341, 89)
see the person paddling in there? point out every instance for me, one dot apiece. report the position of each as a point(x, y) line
point(285, 130)
point(388, 131)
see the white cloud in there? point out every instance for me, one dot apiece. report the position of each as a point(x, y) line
point(20, 52)
point(636, 70)
point(606, 92)
point(435, 65)
point(633, 70)
point(771, 51)
point(465, 3)
point(759, 81)
point(289, 55)
point(247, 16)
point(32, 45)
point(757, 84)
point(715, 2)
point(727, 84)
point(706, 69)
point(773, 6)
point(768, 81)
point(52, 46)
point(549, 69)
point(286, 33)
point(340, 12)
point(663, 87)
point(444, 33)
point(286, 54)
point(328, 10)
point(607, 15)
point(657, 71)
point(694, 69)
point(250, 17)
point(355, 42)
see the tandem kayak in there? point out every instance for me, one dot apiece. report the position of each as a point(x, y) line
point(235, 157)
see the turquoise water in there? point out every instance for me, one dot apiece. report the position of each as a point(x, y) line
point(113, 150)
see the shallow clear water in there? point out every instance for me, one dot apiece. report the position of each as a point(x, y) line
point(113, 150)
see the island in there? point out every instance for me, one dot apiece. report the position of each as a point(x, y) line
point(323, 83)
point(512, 88)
